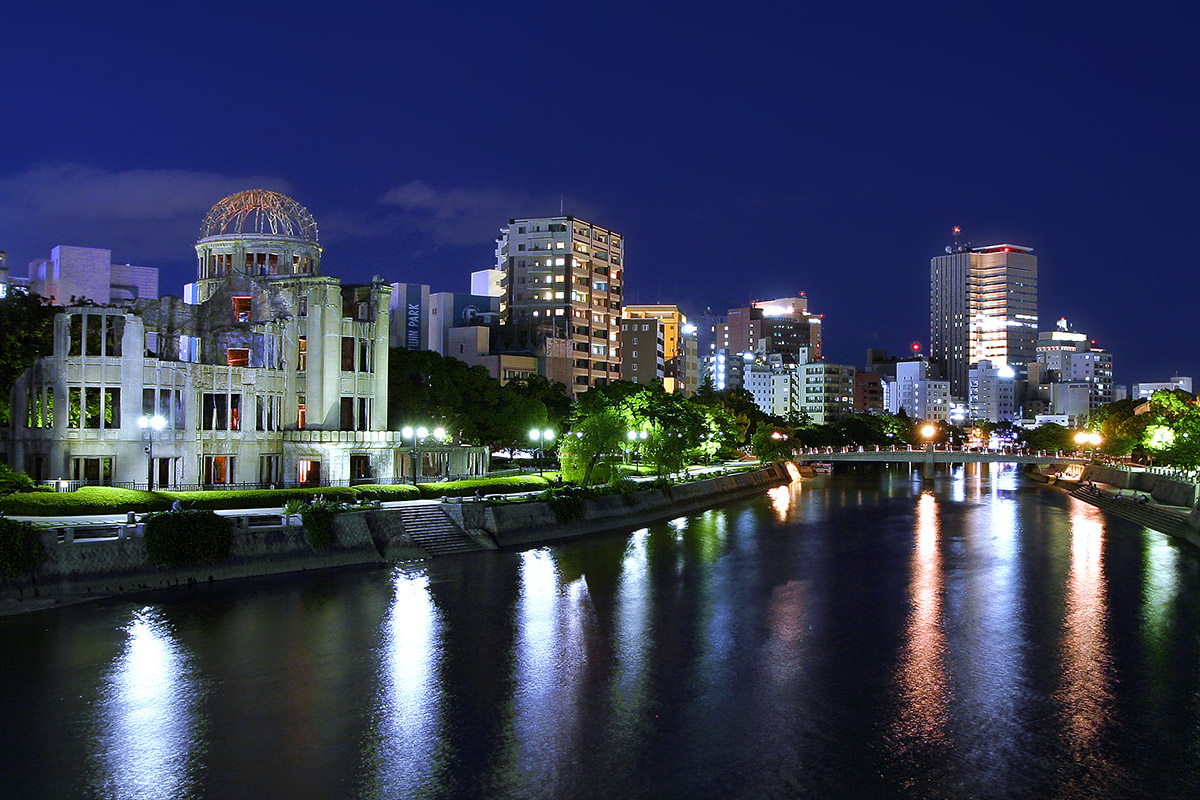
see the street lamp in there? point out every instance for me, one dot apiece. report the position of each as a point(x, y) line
point(418, 435)
point(541, 437)
point(151, 425)
point(1085, 438)
point(633, 437)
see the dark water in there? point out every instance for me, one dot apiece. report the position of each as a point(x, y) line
point(848, 637)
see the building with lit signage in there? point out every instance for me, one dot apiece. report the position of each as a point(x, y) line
point(276, 374)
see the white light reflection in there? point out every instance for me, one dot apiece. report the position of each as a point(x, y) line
point(551, 662)
point(150, 722)
point(407, 736)
point(923, 684)
point(632, 635)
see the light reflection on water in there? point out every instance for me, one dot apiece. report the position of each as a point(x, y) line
point(883, 636)
point(404, 747)
point(922, 679)
point(1085, 695)
point(149, 725)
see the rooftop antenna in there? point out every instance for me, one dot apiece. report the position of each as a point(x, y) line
point(561, 200)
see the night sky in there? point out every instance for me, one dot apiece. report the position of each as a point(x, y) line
point(745, 151)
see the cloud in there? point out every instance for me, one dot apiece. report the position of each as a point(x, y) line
point(469, 217)
point(143, 215)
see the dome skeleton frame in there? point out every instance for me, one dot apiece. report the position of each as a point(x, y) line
point(259, 212)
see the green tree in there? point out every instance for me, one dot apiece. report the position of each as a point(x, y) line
point(591, 439)
point(773, 442)
point(26, 334)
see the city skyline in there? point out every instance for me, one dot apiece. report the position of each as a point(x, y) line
point(819, 153)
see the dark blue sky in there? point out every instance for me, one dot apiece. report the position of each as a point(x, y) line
point(746, 152)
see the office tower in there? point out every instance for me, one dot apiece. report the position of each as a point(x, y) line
point(563, 276)
point(982, 306)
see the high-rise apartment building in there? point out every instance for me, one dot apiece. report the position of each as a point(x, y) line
point(564, 276)
point(982, 307)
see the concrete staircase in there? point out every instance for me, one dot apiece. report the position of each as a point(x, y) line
point(431, 529)
point(1148, 514)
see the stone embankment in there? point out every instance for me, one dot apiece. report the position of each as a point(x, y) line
point(80, 567)
point(1156, 501)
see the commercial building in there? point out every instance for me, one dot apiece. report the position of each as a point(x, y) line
point(1142, 391)
point(277, 374)
point(868, 394)
point(1066, 360)
point(564, 276)
point(992, 393)
point(918, 392)
point(983, 307)
point(75, 274)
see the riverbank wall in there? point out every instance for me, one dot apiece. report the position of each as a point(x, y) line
point(524, 524)
point(1155, 501)
point(79, 569)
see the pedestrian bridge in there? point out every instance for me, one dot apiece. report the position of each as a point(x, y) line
point(930, 455)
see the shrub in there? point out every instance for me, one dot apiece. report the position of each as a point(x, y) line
point(515, 483)
point(179, 538)
point(13, 481)
point(85, 500)
point(318, 523)
point(566, 502)
point(400, 491)
point(21, 549)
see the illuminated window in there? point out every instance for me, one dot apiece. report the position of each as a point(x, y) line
point(241, 309)
point(237, 357)
point(309, 472)
point(302, 361)
point(300, 412)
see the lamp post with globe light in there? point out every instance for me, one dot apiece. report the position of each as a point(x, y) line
point(151, 425)
point(1087, 438)
point(541, 438)
point(418, 436)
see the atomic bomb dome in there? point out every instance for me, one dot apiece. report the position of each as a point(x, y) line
point(256, 233)
point(259, 212)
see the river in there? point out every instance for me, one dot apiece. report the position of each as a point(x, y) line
point(857, 636)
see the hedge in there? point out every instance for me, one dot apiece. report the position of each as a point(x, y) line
point(179, 538)
point(255, 498)
point(399, 491)
point(21, 549)
point(467, 488)
point(85, 500)
point(111, 500)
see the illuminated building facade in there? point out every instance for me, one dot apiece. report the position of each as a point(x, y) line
point(983, 307)
point(563, 276)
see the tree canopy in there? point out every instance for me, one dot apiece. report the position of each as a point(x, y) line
point(26, 334)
